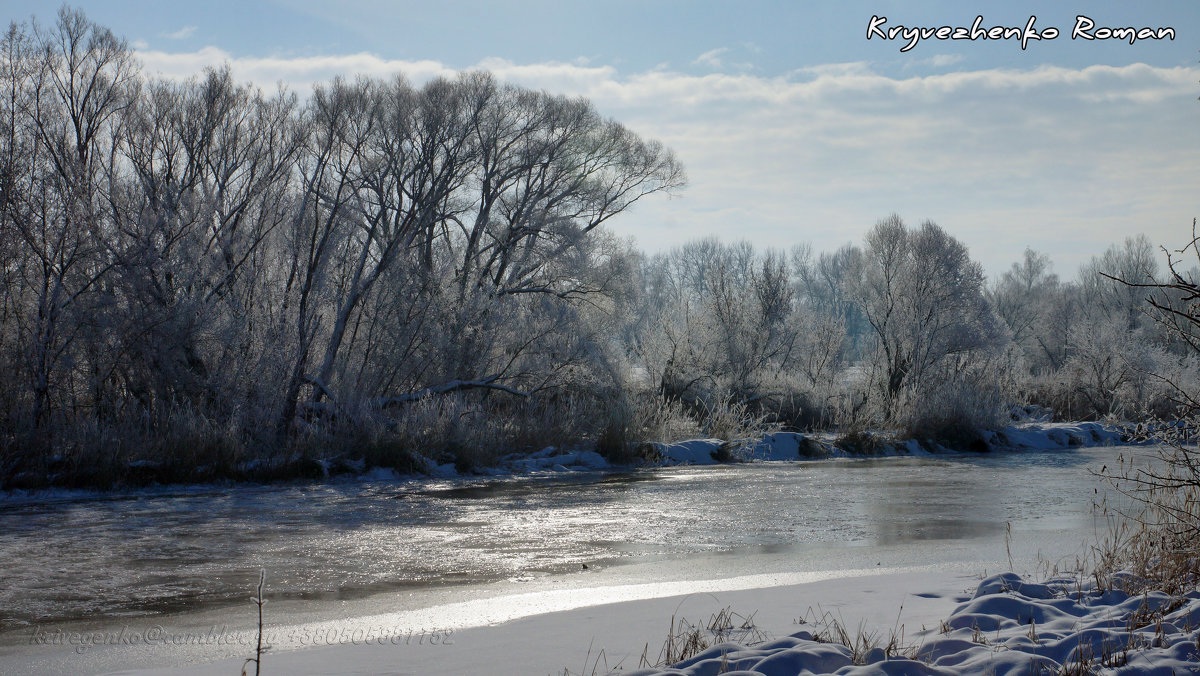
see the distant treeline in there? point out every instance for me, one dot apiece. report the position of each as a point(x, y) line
point(201, 280)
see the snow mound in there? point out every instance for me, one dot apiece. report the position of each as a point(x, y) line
point(1030, 413)
point(1010, 627)
point(790, 447)
point(772, 447)
point(691, 452)
point(551, 459)
point(1052, 436)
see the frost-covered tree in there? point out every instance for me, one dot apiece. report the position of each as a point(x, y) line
point(1022, 298)
point(1089, 345)
point(199, 258)
point(1113, 345)
point(206, 187)
point(922, 296)
point(722, 327)
point(483, 202)
point(67, 92)
point(1134, 259)
point(822, 287)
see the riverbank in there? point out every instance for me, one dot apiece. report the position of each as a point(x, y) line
point(585, 631)
point(916, 621)
point(772, 447)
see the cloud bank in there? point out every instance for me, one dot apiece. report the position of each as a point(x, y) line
point(1064, 160)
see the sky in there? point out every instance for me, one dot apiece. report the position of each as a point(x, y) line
point(795, 122)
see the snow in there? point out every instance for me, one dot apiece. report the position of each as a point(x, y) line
point(693, 452)
point(380, 474)
point(603, 629)
point(1009, 628)
point(988, 631)
point(794, 446)
point(553, 459)
point(1039, 436)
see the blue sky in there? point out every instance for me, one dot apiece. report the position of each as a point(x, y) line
point(794, 127)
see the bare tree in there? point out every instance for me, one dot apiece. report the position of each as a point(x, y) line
point(246, 262)
point(484, 199)
point(341, 118)
point(1020, 298)
point(923, 297)
point(209, 174)
point(68, 91)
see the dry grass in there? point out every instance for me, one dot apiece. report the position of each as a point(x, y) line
point(593, 665)
point(1152, 543)
point(686, 639)
point(635, 418)
point(828, 628)
point(729, 419)
point(182, 445)
point(259, 600)
point(1155, 530)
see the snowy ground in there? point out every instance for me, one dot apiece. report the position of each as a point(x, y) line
point(1005, 626)
point(1009, 628)
point(613, 636)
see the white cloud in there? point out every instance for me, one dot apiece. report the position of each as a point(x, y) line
point(837, 70)
point(181, 34)
point(711, 58)
point(717, 59)
point(553, 76)
point(1066, 160)
point(299, 73)
point(935, 61)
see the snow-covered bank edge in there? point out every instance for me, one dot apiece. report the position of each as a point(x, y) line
point(1009, 628)
point(609, 633)
point(785, 446)
point(772, 447)
point(797, 446)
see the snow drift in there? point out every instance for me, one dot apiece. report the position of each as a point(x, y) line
point(1010, 628)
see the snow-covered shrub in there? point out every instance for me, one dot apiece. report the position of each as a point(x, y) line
point(952, 410)
point(731, 420)
point(631, 418)
point(727, 331)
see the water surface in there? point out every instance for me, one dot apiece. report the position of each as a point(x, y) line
point(200, 549)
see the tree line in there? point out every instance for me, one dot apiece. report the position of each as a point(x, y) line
point(200, 277)
point(905, 333)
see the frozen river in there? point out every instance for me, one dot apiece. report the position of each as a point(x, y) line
point(190, 557)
